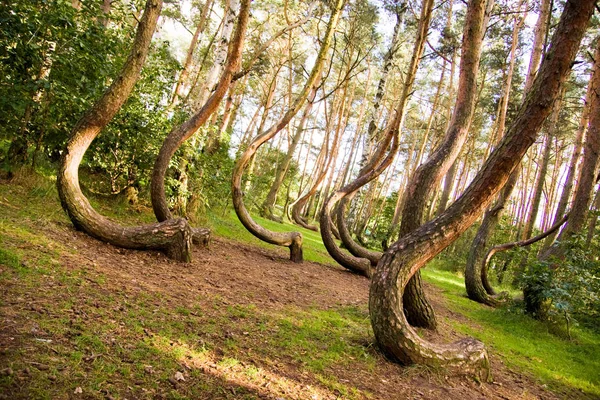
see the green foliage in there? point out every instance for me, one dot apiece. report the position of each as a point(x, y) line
point(569, 287)
point(124, 153)
point(54, 62)
point(528, 345)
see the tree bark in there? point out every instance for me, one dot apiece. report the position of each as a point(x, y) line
point(174, 236)
point(476, 282)
point(183, 132)
point(397, 339)
point(293, 240)
point(375, 166)
point(427, 176)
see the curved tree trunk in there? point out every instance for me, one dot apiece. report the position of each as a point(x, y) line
point(397, 339)
point(427, 176)
point(269, 203)
point(180, 134)
point(375, 166)
point(476, 282)
point(370, 171)
point(293, 240)
point(174, 236)
point(321, 173)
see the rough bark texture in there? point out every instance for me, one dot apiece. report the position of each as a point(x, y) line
point(428, 176)
point(173, 237)
point(476, 282)
point(591, 157)
point(293, 240)
point(403, 259)
point(183, 132)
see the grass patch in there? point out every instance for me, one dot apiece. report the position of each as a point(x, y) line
point(524, 343)
point(228, 225)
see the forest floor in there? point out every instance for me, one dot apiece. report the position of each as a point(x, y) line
point(83, 319)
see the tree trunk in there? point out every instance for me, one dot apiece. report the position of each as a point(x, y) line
point(476, 282)
point(572, 170)
point(427, 176)
point(321, 173)
point(593, 220)
point(174, 236)
point(185, 71)
point(375, 166)
point(591, 158)
point(397, 339)
point(293, 240)
point(269, 203)
point(183, 132)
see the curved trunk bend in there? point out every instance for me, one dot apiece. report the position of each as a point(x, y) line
point(293, 240)
point(183, 132)
point(173, 237)
point(403, 259)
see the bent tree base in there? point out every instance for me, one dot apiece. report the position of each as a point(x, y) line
point(173, 237)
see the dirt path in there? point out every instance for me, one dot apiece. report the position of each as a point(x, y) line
point(234, 320)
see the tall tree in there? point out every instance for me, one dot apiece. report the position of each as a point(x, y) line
point(174, 236)
point(293, 240)
point(476, 290)
point(184, 131)
point(397, 339)
point(428, 176)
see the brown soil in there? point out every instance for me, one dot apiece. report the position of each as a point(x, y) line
point(239, 274)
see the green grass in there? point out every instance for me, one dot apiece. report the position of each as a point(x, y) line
point(229, 226)
point(523, 343)
point(131, 331)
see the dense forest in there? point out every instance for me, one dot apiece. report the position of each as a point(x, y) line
point(386, 135)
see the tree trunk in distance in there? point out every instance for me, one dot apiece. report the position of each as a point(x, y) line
point(572, 170)
point(173, 237)
point(395, 337)
point(591, 158)
point(185, 71)
point(293, 240)
point(593, 220)
point(376, 165)
point(269, 203)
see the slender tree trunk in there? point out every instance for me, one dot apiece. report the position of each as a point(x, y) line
point(293, 240)
point(593, 220)
point(183, 132)
point(476, 282)
point(427, 176)
point(362, 259)
point(572, 170)
point(591, 158)
point(395, 337)
point(282, 168)
point(187, 65)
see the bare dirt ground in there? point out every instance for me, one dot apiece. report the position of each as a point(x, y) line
point(241, 275)
point(92, 324)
